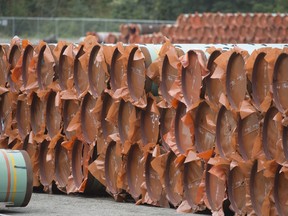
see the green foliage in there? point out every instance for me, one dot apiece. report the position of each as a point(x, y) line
point(134, 9)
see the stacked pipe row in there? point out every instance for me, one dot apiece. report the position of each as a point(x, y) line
point(224, 28)
point(130, 33)
point(189, 125)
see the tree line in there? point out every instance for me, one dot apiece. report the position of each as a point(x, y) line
point(134, 9)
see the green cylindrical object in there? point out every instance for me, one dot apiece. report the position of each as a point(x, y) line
point(16, 180)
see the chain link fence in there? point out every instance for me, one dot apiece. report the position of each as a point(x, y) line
point(73, 28)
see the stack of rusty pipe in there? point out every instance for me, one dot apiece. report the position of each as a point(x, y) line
point(130, 33)
point(183, 125)
point(224, 28)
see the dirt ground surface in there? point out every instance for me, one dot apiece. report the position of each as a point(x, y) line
point(51, 204)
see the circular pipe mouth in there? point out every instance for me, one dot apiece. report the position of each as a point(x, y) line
point(236, 80)
point(5, 111)
point(3, 63)
point(205, 135)
point(27, 57)
point(117, 70)
point(259, 67)
point(96, 74)
point(62, 164)
point(70, 108)
point(14, 55)
point(191, 79)
point(255, 205)
point(169, 75)
point(152, 179)
point(112, 167)
point(79, 72)
point(149, 124)
point(192, 177)
point(135, 76)
point(53, 115)
point(279, 189)
point(23, 118)
point(269, 130)
point(280, 83)
point(125, 110)
point(88, 119)
point(214, 186)
point(236, 190)
point(39, 67)
point(183, 134)
point(79, 162)
point(135, 171)
point(64, 69)
point(37, 113)
point(166, 118)
point(207, 184)
point(260, 187)
point(248, 130)
point(170, 179)
point(285, 141)
point(226, 126)
point(210, 91)
point(107, 127)
point(46, 164)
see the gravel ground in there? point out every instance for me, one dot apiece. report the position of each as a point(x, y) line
point(51, 204)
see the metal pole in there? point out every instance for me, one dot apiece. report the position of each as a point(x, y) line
point(13, 26)
point(83, 27)
point(38, 25)
point(56, 28)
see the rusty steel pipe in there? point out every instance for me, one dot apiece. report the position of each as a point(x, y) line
point(23, 117)
point(117, 70)
point(65, 68)
point(80, 161)
point(280, 191)
point(183, 134)
point(192, 178)
point(260, 186)
point(70, 109)
point(3, 64)
point(205, 127)
point(13, 58)
point(27, 58)
point(112, 167)
point(79, 73)
point(37, 114)
point(215, 187)
point(53, 114)
point(88, 118)
point(280, 83)
point(213, 86)
point(135, 171)
point(173, 175)
point(46, 164)
point(149, 124)
point(45, 65)
point(96, 73)
point(107, 127)
point(249, 129)
point(271, 134)
point(126, 115)
point(152, 180)
point(226, 128)
point(166, 120)
point(136, 75)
